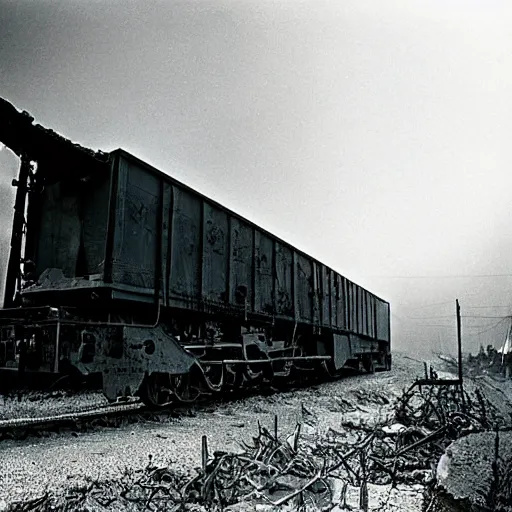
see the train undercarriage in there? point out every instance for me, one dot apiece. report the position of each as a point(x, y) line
point(175, 361)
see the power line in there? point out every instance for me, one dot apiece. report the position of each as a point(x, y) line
point(492, 326)
point(431, 305)
point(462, 276)
point(486, 307)
point(453, 316)
point(429, 317)
point(446, 326)
point(484, 316)
point(435, 325)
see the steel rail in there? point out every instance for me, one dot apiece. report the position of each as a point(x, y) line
point(57, 419)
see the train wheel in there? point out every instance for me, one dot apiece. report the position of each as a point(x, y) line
point(261, 373)
point(213, 377)
point(368, 364)
point(155, 391)
point(234, 378)
point(183, 388)
point(329, 369)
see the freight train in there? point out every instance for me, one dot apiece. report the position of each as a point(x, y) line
point(117, 269)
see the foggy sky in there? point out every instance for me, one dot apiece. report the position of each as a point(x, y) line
point(372, 135)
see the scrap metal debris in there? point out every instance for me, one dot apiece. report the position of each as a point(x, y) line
point(302, 472)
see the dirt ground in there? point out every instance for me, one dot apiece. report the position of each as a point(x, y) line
point(60, 462)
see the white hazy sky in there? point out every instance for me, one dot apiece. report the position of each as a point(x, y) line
point(373, 135)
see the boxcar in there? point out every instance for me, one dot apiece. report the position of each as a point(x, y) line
point(130, 273)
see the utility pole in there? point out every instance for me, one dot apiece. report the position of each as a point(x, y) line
point(459, 347)
point(459, 340)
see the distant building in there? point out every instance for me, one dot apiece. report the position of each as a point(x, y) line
point(506, 353)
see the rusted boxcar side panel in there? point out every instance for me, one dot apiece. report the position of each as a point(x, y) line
point(325, 296)
point(138, 230)
point(368, 317)
point(165, 245)
point(185, 239)
point(359, 319)
point(59, 234)
point(382, 320)
point(283, 285)
point(334, 297)
point(264, 278)
point(339, 318)
point(241, 265)
point(371, 316)
point(346, 303)
point(363, 309)
point(208, 257)
point(215, 236)
point(94, 225)
point(304, 288)
point(353, 304)
point(317, 292)
point(364, 312)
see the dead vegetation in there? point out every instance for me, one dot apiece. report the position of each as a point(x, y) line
point(302, 471)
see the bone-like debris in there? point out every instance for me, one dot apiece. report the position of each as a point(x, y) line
point(365, 469)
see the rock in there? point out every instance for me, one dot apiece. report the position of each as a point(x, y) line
point(464, 472)
point(393, 430)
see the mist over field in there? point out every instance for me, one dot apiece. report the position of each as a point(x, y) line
point(374, 136)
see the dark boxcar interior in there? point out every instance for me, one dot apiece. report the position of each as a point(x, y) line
point(72, 226)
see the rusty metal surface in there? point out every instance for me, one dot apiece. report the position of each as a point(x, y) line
point(215, 261)
point(325, 295)
point(186, 243)
point(342, 350)
point(166, 238)
point(263, 282)
point(216, 235)
point(284, 277)
point(60, 232)
point(303, 289)
point(137, 230)
point(125, 355)
point(242, 264)
point(382, 320)
point(94, 215)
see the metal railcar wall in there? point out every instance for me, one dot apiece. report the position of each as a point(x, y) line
point(197, 255)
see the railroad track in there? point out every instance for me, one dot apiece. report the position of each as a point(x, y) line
point(110, 413)
point(16, 427)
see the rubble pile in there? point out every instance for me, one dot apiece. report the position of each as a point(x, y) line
point(445, 430)
point(307, 470)
point(279, 473)
point(433, 416)
point(488, 361)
